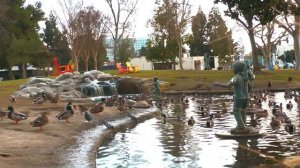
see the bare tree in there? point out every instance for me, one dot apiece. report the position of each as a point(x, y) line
point(70, 27)
point(269, 39)
point(182, 11)
point(121, 11)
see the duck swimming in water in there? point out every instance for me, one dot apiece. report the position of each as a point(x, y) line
point(191, 121)
point(210, 123)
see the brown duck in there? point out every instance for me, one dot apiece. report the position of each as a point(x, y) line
point(97, 108)
point(40, 121)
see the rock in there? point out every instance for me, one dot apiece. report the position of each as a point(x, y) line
point(64, 76)
point(93, 73)
point(76, 73)
point(141, 104)
point(34, 80)
point(128, 85)
point(87, 80)
point(104, 77)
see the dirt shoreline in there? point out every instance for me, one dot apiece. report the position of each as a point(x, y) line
point(24, 146)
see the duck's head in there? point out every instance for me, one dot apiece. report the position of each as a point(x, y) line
point(69, 107)
point(10, 108)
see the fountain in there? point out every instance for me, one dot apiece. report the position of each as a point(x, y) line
point(98, 89)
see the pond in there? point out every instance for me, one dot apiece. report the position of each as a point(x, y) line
point(176, 144)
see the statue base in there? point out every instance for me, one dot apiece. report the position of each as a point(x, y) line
point(241, 133)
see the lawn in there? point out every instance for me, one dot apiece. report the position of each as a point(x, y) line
point(190, 80)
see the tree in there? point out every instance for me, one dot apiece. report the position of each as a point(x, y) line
point(71, 28)
point(291, 8)
point(269, 39)
point(55, 40)
point(245, 12)
point(220, 38)
point(126, 50)
point(181, 20)
point(121, 12)
point(164, 35)
point(198, 37)
point(21, 26)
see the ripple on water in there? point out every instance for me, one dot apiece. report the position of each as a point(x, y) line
point(153, 144)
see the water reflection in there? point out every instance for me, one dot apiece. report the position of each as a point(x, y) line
point(175, 144)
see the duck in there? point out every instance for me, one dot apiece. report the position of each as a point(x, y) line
point(2, 114)
point(98, 108)
point(289, 105)
point(191, 121)
point(290, 128)
point(210, 123)
point(67, 113)
point(253, 121)
point(40, 121)
point(13, 100)
point(275, 122)
point(88, 116)
point(40, 100)
point(260, 114)
point(269, 84)
point(16, 116)
point(218, 114)
point(55, 99)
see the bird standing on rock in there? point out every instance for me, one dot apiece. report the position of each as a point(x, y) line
point(16, 116)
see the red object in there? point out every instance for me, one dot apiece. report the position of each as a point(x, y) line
point(60, 69)
point(121, 69)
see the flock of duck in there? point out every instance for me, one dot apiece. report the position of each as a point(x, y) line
point(204, 110)
point(254, 110)
point(43, 119)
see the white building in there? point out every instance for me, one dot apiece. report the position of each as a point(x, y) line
point(189, 63)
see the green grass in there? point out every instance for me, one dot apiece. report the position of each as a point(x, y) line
point(189, 80)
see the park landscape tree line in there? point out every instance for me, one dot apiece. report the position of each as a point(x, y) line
point(79, 34)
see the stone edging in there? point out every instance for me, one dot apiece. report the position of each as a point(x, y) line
point(83, 155)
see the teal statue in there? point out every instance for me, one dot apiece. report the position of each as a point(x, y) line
point(156, 87)
point(241, 82)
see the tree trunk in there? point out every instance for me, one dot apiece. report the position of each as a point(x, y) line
point(256, 66)
point(10, 73)
point(296, 38)
point(22, 71)
point(180, 54)
point(115, 51)
point(86, 64)
point(268, 61)
point(95, 63)
point(76, 66)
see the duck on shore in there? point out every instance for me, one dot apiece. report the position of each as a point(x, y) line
point(40, 100)
point(15, 116)
point(67, 113)
point(40, 121)
point(2, 114)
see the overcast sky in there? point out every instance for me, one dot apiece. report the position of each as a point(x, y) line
point(145, 12)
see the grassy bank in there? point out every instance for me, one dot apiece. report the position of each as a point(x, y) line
point(190, 80)
point(201, 80)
